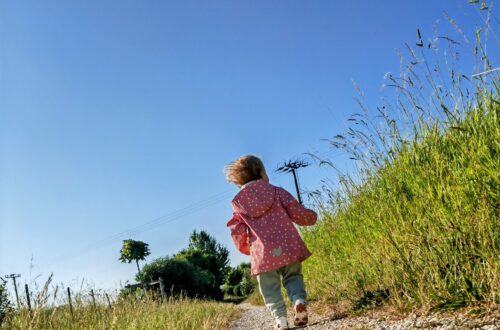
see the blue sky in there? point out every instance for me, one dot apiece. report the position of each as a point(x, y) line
point(117, 113)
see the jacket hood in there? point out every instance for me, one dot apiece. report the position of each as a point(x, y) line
point(255, 198)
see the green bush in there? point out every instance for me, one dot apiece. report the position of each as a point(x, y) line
point(4, 301)
point(179, 277)
point(238, 281)
point(247, 286)
point(197, 271)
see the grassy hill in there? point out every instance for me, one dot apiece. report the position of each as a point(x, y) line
point(421, 227)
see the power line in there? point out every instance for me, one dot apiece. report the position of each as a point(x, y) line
point(168, 218)
point(485, 72)
point(175, 215)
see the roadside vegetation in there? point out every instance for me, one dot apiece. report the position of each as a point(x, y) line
point(418, 223)
point(195, 280)
point(145, 313)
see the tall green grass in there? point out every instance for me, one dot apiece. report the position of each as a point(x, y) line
point(418, 223)
point(128, 314)
point(51, 310)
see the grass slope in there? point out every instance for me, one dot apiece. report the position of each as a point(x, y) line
point(424, 229)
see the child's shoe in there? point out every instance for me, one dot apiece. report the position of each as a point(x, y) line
point(282, 323)
point(301, 317)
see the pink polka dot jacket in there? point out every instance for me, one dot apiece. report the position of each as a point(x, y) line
point(262, 226)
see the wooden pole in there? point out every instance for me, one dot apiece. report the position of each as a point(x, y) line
point(162, 289)
point(93, 297)
point(109, 301)
point(145, 287)
point(28, 297)
point(70, 304)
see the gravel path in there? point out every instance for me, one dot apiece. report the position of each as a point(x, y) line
point(258, 318)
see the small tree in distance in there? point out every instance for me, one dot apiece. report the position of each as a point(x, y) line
point(134, 251)
point(4, 301)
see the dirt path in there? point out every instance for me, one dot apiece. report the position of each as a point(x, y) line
point(258, 318)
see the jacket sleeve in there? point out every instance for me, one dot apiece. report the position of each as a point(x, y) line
point(239, 233)
point(299, 214)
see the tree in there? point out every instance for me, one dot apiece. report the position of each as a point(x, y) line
point(4, 300)
point(204, 242)
point(134, 251)
point(205, 253)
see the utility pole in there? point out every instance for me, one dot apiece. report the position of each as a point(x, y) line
point(292, 167)
point(13, 277)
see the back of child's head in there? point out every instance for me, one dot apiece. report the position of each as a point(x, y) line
point(245, 169)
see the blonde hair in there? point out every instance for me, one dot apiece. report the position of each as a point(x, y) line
point(245, 169)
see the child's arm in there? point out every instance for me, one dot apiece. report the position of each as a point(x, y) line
point(239, 233)
point(299, 214)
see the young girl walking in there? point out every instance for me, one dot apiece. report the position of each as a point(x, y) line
point(262, 226)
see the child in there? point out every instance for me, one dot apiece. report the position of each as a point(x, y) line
point(263, 227)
